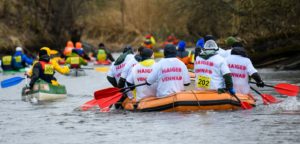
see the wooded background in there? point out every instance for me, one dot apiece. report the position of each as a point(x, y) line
point(271, 26)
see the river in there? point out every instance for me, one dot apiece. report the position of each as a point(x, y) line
point(61, 123)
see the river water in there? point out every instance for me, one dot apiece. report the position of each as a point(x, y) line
point(61, 123)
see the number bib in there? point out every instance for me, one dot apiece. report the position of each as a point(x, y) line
point(74, 60)
point(48, 69)
point(203, 82)
point(18, 58)
point(6, 60)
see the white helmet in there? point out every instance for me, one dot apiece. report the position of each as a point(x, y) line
point(211, 45)
point(19, 49)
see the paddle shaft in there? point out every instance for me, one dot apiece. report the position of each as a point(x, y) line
point(255, 90)
point(273, 86)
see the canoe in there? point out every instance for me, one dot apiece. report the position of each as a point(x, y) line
point(43, 91)
point(188, 101)
point(22, 70)
point(107, 62)
point(77, 72)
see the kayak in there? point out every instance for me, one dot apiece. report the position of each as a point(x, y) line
point(188, 101)
point(106, 62)
point(77, 72)
point(43, 91)
point(22, 70)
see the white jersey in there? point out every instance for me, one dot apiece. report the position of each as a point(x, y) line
point(139, 75)
point(127, 69)
point(240, 68)
point(209, 73)
point(170, 74)
point(223, 53)
point(116, 70)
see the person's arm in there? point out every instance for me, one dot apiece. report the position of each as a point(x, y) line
point(253, 74)
point(82, 61)
point(27, 59)
point(186, 76)
point(227, 77)
point(109, 56)
point(130, 81)
point(58, 68)
point(112, 81)
point(153, 76)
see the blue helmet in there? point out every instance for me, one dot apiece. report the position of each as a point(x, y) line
point(181, 46)
point(200, 43)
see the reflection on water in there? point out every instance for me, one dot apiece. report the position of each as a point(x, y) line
point(61, 122)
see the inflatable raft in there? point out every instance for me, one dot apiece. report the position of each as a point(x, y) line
point(7, 72)
point(188, 101)
point(43, 91)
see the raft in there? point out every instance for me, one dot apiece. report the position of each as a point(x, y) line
point(43, 91)
point(106, 62)
point(188, 101)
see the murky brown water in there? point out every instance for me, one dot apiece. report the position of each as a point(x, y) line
point(60, 123)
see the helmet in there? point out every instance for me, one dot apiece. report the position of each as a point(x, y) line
point(47, 49)
point(70, 44)
point(230, 41)
point(200, 43)
point(146, 53)
point(101, 45)
point(78, 45)
point(148, 36)
point(181, 46)
point(19, 49)
point(211, 45)
point(209, 37)
point(170, 38)
point(127, 48)
point(170, 51)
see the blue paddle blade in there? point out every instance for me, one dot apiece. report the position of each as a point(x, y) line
point(11, 82)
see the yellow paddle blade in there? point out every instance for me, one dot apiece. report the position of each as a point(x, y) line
point(102, 69)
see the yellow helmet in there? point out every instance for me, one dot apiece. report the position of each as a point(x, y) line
point(47, 49)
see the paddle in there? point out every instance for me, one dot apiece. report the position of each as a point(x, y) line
point(86, 106)
point(111, 91)
point(284, 88)
point(267, 99)
point(102, 69)
point(244, 105)
point(11, 81)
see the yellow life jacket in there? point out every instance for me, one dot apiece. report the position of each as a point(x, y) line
point(101, 55)
point(6, 60)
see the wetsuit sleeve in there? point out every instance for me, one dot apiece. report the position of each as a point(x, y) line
point(109, 56)
point(112, 81)
point(35, 74)
point(82, 61)
point(27, 59)
point(228, 81)
point(58, 68)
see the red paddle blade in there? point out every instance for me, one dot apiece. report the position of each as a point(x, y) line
point(108, 101)
point(106, 92)
point(246, 105)
point(287, 89)
point(270, 98)
point(86, 106)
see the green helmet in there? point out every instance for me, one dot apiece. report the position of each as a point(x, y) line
point(230, 40)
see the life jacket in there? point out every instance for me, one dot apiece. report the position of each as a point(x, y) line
point(75, 62)
point(101, 55)
point(7, 62)
point(184, 57)
point(191, 56)
point(17, 62)
point(47, 71)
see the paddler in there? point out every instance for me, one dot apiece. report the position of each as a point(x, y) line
point(182, 54)
point(223, 53)
point(117, 67)
point(19, 59)
point(44, 69)
point(139, 74)
point(241, 67)
point(170, 74)
point(129, 65)
point(74, 60)
point(81, 52)
point(6, 62)
point(211, 70)
point(68, 49)
point(103, 54)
